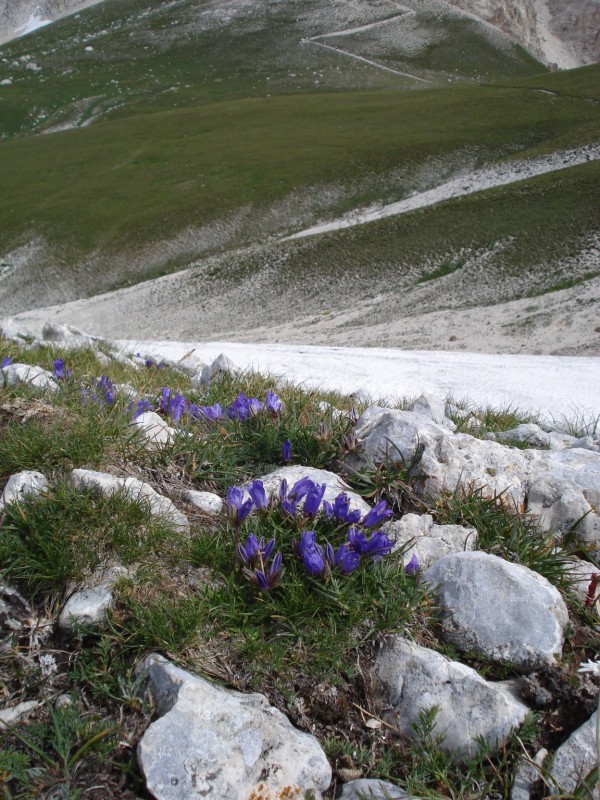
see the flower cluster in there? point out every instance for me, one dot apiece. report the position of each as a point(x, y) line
point(100, 392)
point(302, 503)
point(60, 371)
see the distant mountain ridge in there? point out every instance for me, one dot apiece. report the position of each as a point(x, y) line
point(561, 34)
point(15, 14)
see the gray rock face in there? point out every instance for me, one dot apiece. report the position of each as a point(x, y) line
point(527, 433)
point(387, 433)
point(12, 715)
point(220, 366)
point(372, 789)
point(88, 606)
point(574, 759)
point(208, 502)
point(155, 431)
point(428, 542)
point(210, 742)
point(461, 461)
point(67, 336)
point(333, 483)
point(109, 485)
point(15, 615)
point(505, 612)
point(35, 377)
point(414, 679)
point(560, 505)
point(429, 406)
point(21, 485)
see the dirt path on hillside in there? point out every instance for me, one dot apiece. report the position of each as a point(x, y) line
point(468, 183)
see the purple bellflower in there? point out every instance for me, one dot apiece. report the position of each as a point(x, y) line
point(237, 508)
point(256, 490)
point(377, 514)
point(379, 545)
point(139, 408)
point(286, 451)
point(346, 559)
point(254, 552)
point(413, 566)
point(6, 362)
point(273, 404)
point(301, 488)
point(311, 553)
point(211, 413)
point(313, 500)
point(266, 578)
point(61, 373)
point(339, 510)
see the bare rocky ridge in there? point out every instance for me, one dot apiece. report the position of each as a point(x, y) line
point(563, 34)
point(15, 14)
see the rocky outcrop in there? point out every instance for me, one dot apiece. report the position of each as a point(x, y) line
point(564, 35)
point(16, 15)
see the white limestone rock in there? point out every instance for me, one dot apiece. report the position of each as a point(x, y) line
point(528, 433)
point(14, 714)
point(208, 502)
point(155, 431)
point(220, 366)
point(35, 377)
point(88, 606)
point(16, 615)
point(428, 405)
point(372, 789)
point(427, 541)
point(415, 678)
point(21, 485)
point(574, 759)
point(67, 336)
point(560, 506)
point(390, 434)
point(450, 463)
point(580, 574)
point(212, 742)
point(503, 611)
point(333, 484)
point(109, 485)
point(527, 775)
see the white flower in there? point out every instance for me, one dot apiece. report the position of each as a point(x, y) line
point(48, 665)
point(590, 666)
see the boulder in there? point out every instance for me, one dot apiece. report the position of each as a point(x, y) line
point(210, 741)
point(35, 377)
point(427, 541)
point(505, 612)
point(429, 406)
point(527, 775)
point(67, 336)
point(414, 679)
point(560, 506)
point(461, 462)
point(528, 434)
point(574, 759)
point(372, 789)
point(88, 606)
point(154, 430)
point(109, 485)
point(390, 434)
point(208, 502)
point(23, 484)
point(14, 714)
point(220, 366)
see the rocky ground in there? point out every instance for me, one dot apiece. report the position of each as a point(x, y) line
point(439, 602)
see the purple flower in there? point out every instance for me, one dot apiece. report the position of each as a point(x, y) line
point(255, 552)
point(272, 403)
point(313, 500)
point(100, 392)
point(289, 506)
point(60, 371)
point(237, 508)
point(244, 407)
point(172, 404)
point(377, 514)
point(311, 553)
point(140, 408)
point(346, 559)
point(6, 362)
point(286, 451)
point(257, 492)
point(211, 413)
point(412, 567)
point(301, 488)
point(379, 545)
point(357, 541)
point(266, 578)
point(340, 510)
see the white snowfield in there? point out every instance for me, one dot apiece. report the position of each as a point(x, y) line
point(469, 183)
point(555, 386)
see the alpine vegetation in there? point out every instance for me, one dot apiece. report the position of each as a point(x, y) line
point(236, 560)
